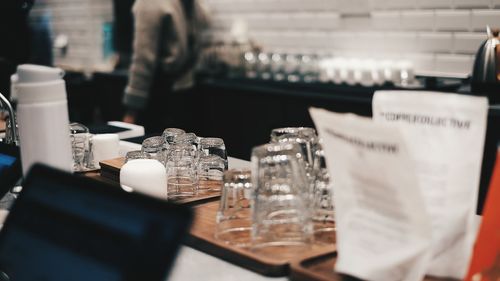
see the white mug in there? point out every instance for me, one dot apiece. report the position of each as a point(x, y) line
point(147, 176)
point(105, 147)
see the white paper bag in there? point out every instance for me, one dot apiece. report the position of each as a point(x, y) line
point(445, 134)
point(382, 229)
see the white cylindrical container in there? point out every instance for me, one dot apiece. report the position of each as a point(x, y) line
point(42, 116)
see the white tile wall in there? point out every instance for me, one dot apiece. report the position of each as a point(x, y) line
point(453, 20)
point(399, 4)
point(432, 4)
point(468, 43)
point(482, 18)
point(435, 34)
point(454, 64)
point(417, 20)
point(386, 20)
point(471, 3)
point(435, 42)
point(422, 62)
point(354, 7)
point(356, 23)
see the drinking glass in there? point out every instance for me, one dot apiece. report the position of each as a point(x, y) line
point(281, 215)
point(307, 139)
point(323, 208)
point(136, 154)
point(170, 133)
point(181, 171)
point(234, 220)
point(81, 145)
point(308, 135)
point(210, 173)
point(214, 146)
point(154, 146)
point(186, 138)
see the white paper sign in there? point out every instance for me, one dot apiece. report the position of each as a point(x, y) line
point(445, 134)
point(383, 233)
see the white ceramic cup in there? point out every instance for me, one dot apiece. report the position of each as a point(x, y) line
point(105, 147)
point(147, 176)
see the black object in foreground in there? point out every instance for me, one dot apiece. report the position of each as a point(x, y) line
point(64, 227)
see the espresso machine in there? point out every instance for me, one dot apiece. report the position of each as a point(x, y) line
point(486, 72)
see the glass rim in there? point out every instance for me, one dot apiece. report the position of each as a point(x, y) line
point(173, 131)
point(211, 141)
point(186, 138)
point(153, 142)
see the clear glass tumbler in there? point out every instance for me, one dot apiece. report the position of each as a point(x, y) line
point(308, 139)
point(210, 173)
point(281, 215)
point(214, 146)
point(234, 220)
point(170, 133)
point(181, 172)
point(154, 146)
point(323, 207)
point(81, 145)
point(136, 154)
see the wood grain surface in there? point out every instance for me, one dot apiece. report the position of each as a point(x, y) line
point(110, 172)
point(202, 237)
point(320, 268)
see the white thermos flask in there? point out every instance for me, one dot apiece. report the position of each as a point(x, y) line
point(42, 116)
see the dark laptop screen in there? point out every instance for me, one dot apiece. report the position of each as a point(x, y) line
point(61, 229)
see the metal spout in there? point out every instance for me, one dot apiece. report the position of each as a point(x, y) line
point(11, 135)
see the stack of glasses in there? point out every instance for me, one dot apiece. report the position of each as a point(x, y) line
point(194, 165)
point(285, 203)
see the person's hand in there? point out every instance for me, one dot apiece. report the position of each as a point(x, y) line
point(130, 117)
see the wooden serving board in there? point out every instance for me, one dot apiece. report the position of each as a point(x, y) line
point(202, 238)
point(110, 172)
point(320, 268)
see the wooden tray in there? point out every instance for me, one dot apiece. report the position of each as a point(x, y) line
point(110, 172)
point(202, 238)
point(320, 268)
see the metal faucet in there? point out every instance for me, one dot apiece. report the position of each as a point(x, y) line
point(11, 135)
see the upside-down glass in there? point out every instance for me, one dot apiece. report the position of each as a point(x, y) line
point(281, 215)
point(154, 146)
point(181, 171)
point(81, 147)
point(187, 138)
point(170, 133)
point(214, 146)
point(136, 154)
point(234, 221)
point(210, 173)
point(291, 133)
point(323, 208)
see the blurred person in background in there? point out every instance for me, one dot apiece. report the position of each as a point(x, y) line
point(167, 41)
